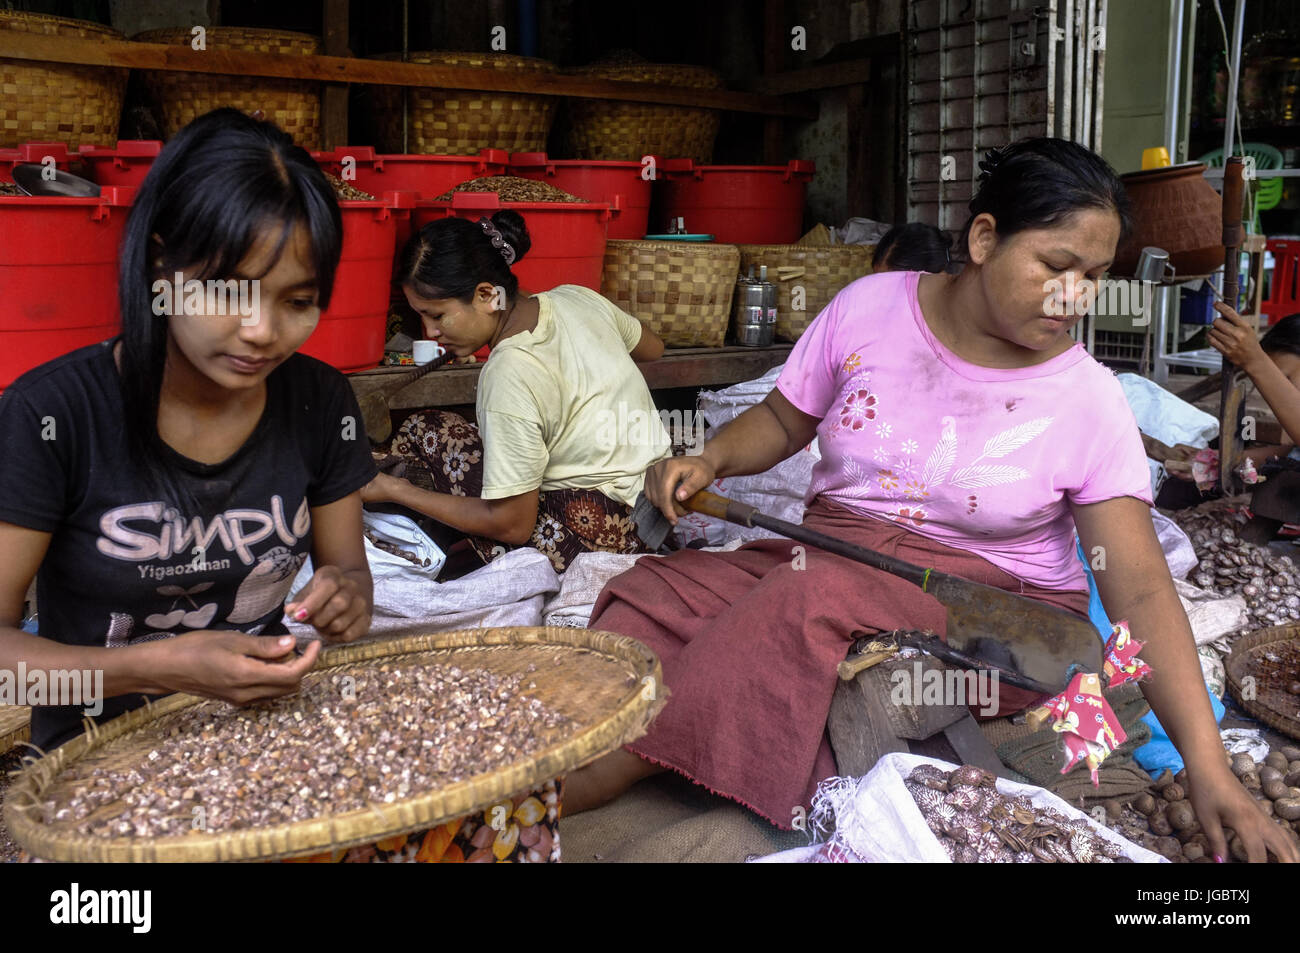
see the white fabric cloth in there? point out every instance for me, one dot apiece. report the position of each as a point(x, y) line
point(581, 584)
point(511, 590)
point(778, 492)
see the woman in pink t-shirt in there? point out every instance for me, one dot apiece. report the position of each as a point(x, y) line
point(960, 428)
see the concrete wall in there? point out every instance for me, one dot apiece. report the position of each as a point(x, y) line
point(1137, 61)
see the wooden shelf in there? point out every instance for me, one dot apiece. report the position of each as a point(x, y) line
point(347, 69)
point(679, 367)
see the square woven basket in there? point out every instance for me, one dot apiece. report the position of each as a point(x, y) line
point(681, 290)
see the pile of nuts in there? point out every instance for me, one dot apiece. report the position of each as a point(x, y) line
point(1163, 820)
point(511, 188)
point(373, 734)
point(977, 824)
point(1269, 583)
point(9, 188)
point(343, 190)
point(394, 550)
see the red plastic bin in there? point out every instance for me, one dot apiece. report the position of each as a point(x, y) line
point(568, 238)
point(350, 335)
point(1284, 282)
point(58, 275)
point(127, 163)
point(737, 204)
point(620, 184)
point(32, 152)
point(427, 176)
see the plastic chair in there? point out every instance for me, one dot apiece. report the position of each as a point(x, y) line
point(1284, 284)
point(1268, 192)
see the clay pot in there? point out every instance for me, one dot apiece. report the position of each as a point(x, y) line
point(1176, 209)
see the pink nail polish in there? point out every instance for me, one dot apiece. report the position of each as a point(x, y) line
point(1218, 858)
point(300, 614)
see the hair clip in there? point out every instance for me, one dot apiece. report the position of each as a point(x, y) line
point(498, 242)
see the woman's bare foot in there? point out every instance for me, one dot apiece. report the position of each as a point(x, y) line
point(603, 780)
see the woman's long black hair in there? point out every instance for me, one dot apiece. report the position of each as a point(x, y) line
point(211, 192)
point(1037, 183)
point(450, 257)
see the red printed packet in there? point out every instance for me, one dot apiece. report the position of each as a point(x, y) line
point(1120, 661)
point(1085, 719)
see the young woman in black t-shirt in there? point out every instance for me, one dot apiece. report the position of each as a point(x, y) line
point(166, 486)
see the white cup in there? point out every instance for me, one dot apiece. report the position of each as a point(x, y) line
point(426, 351)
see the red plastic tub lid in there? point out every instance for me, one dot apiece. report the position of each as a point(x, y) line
point(368, 154)
point(490, 201)
point(143, 148)
point(117, 196)
point(533, 160)
point(791, 168)
point(35, 152)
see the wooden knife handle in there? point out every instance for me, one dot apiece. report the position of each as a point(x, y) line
point(719, 507)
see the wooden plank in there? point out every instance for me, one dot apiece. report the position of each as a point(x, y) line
point(334, 96)
point(860, 727)
point(812, 78)
point(684, 367)
point(347, 69)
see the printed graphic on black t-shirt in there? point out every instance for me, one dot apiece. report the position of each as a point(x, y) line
point(125, 566)
point(212, 572)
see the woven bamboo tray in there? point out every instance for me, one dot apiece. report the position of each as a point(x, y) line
point(1272, 658)
point(622, 131)
point(825, 271)
point(597, 679)
point(15, 726)
point(293, 105)
point(461, 122)
point(681, 290)
point(59, 102)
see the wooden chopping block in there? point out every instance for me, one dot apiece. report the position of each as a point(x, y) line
point(865, 723)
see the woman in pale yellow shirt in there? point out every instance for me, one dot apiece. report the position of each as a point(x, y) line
point(566, 425)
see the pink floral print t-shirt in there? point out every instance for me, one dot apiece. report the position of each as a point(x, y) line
point(977, 458)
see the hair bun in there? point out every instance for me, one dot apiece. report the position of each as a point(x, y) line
point(989, 164)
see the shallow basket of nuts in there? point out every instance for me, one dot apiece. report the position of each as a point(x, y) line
point(385, 738)
point(1263, 671)
point(15, 726)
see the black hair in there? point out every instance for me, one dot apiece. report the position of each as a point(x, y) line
point(1036, 183)
point(1283, 337)
point(914, 246)
point(450, 257)
point(212, 190)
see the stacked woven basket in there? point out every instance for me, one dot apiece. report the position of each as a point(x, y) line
point(293, 105)
point(461, 122)
point(58, 102)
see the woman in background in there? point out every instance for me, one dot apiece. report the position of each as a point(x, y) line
point(913, 246)
point(566, 424)
point(1273, 365)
